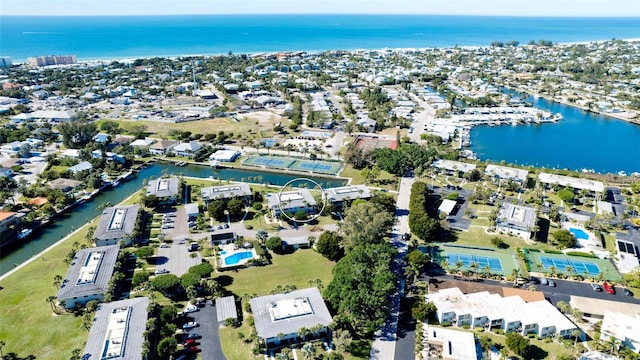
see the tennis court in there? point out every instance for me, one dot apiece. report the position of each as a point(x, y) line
point(493, 262)
point(279, 162)
point(368, 144)
point(579, 266)
point(586, 267)
point(499, 262)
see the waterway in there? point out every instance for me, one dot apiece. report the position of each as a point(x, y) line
point(581, 140)
point(84, 213)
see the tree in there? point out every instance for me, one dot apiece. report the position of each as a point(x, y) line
point(92, 305)
point(262, 235)
point(51, 300)
point(77, 134)
point(145, 252)
point(308, 351)
point(517, 343)
point(566, 195)
point(87, 322)
point(202, 270)
point(235, 207)
point(165, 283)
point(342, 340)
point(423, 311)
point(328, 245)
point(365, 223)
point(139, 277)
point(167, 346)
point(416, 260)
point(361, 286)
point(110, 127)
point(564, 238)
point(274, 243)
point(216, 209)
point(189, 279)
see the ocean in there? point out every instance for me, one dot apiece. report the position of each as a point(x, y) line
point(127, 37)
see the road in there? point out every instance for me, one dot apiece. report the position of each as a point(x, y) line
point(421, 119)
point(384, 341)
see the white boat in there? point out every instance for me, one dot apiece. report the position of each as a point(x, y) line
point(115, 183)
point(24, 233)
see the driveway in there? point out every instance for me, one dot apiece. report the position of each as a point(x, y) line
point(177, 258)
point(209, 330)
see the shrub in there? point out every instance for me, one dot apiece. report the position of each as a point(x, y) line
point(552, 251)
point(274, 243)
point(498, 331)
point(497, 242)
point(581, 254)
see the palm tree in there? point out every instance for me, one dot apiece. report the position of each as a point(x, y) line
point(486, 271)
point(576, 334)
point(532, 288)
point(87, 321)
point(308, 351)
point(458, 265)
point(57, 280)
point(563, 306)
point(2, 344)
point(303, 332)
point(445, 265)
point(282, 356)
point(473, 267)
point(553, 271)
point(50, 300)
point(577, 314)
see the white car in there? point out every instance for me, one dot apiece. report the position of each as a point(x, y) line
point(161, 271)
point(190, 325)
point(190, 308)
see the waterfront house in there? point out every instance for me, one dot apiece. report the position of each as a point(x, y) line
point(291, 202)
point(225, 155)
point(117, 223)
point(591, 186)
point(339, 195)
point(118, 330)
point(162, 147)
point(451, 167)
point(516, 220)
point(507, 173)
point(165, 189)
point(65, 185)
point(187, 149)
point(88, 276)
point(83, 166)
point(7, 219)
point(279, 317)
point(226, 193)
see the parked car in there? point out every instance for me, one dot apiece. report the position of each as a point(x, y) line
point(190, 308)
point(194, 336)
point(194, 348)
point(190, 325)
point(543, 281)
point(162, 271)
point(628, 292)
point(552, 283)
point(609, 289)
point(189, 342)
point(596, 287)
point(225, 225)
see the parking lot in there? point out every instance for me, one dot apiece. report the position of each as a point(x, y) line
point(176, 226)
point(208, 328)
point(176, 257)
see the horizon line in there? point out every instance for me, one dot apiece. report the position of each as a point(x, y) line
point(328, 13)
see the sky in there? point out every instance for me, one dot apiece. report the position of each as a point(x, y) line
point(580, 8)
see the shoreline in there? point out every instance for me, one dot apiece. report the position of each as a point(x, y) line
point(52, 246)
point(128, 59)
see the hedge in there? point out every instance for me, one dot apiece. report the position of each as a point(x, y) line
point(550, 251)
point(581, 254)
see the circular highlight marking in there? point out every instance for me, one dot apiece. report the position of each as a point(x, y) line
point(323, 196)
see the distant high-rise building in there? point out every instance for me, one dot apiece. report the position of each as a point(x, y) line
point(52, 60)
point(5, 61)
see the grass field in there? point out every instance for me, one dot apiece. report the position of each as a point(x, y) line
point(158, 128)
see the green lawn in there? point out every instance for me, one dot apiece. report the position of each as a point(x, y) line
point(542, 349)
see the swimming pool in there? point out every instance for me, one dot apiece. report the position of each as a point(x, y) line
point(223, 252)
point(235, 258)
point(579, 234)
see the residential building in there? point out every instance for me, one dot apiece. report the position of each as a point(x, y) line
point(162, 147)
point(447, 206)
point(187, 149)
point(192, 210)
point(226, 308)
point(225, 155)
point(88, 276)
point(116, 223)
point(7, 219)
point(507, 173)
point(279, 317)
point(622, 327)
point(592, 186)
point(516, 220)
point(338, 195)
point(451, 167)
point(83, 166)
point(52, 60)
point(118, 330)
point(5, 172)
point(449, 344)
point(223, 238)
point(65, 185)
point(226, 192)
point(291, 202)
point(165, 189)
point(597, 308)
point(491, 311)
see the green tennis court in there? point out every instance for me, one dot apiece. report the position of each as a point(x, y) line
point(278, 162)
point(571, 265)
point(499, 262)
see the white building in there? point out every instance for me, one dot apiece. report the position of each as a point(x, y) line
point(279, 317)
point(187, 149)
point(165, 189)
point(507, 173)
point(291, 202)
point(88, 276)
point(493, 311)
point(224, 155)
point(449, 344)
point(453, 167)
point(116, 223)
point(516, 220)
point(574, 183)
point(622, 327)
point(338, 195)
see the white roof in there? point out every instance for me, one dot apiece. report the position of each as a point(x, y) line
point(620, 326)
point(453, 165)
point(505, 172)
point(459, 345)
point(142, 142)
point(447, 206)
point(224, 155)
point(576, 183)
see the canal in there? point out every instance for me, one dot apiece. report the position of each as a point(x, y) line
point(84, 213)
point(581, 140)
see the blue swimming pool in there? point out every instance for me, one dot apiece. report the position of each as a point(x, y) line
point(237, 257)
point(223, 252)
point(579, 234)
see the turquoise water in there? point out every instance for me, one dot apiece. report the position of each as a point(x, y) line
point(115, 37)
point(223, 252)
point(237, 257)
point(579, 234)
